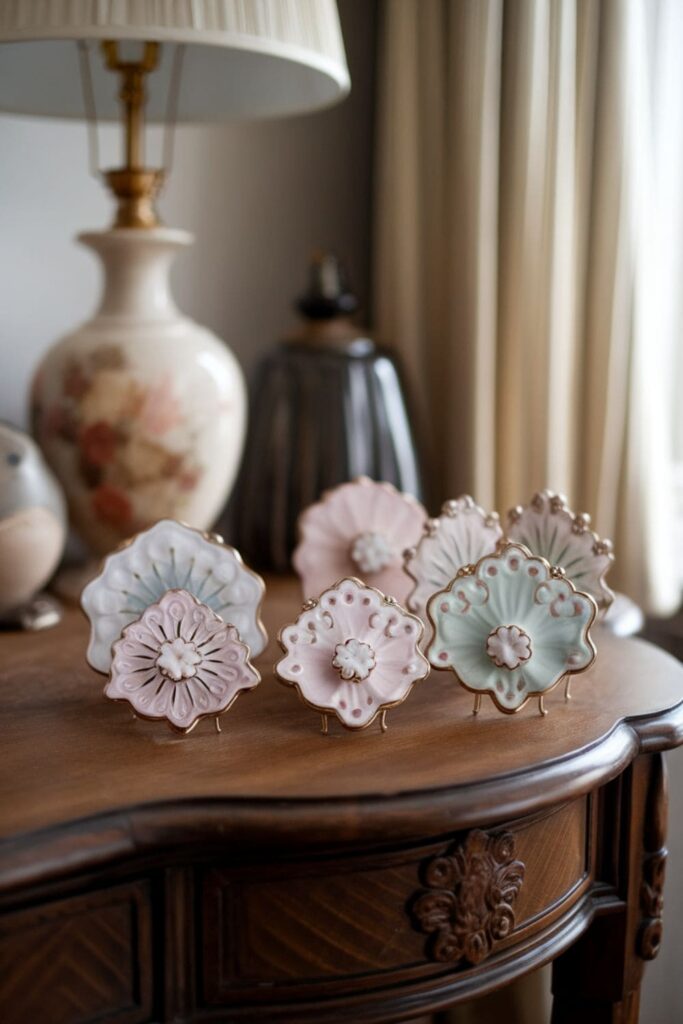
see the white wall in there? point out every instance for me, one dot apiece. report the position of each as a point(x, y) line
point(258, 197)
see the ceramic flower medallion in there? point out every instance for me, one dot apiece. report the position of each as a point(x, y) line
point(179, 662)
point(352, 653)
point(461, 535)
point(549, 528)
point(512, 627)
point(170, 556)
point(358, 529)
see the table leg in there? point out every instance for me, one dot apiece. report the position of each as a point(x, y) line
point(597, 981)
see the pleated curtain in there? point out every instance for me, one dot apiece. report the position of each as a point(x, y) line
point(527, 245)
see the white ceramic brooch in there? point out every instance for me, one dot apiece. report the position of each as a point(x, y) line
point(358, 529)
point(549, 528)
point(180, 662)
point(461, 535)
point(171, 556)
point(511, 626)
point(352, 653)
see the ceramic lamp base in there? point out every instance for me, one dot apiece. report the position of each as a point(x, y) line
point(140, 412)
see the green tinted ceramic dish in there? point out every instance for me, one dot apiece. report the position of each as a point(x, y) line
point(511, 626)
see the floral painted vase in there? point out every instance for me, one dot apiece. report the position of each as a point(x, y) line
point(180, 662)
point(352, 653)
point(511, 626)
point(358, 529)
point(461, 535)
point(170, 556)
point(549, 528)
point(140, 412)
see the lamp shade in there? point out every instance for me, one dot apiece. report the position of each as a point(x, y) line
point(249, 58)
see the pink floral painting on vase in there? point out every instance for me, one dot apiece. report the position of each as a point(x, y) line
point(114, 436)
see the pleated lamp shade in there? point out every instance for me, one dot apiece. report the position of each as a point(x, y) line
point(243, 58)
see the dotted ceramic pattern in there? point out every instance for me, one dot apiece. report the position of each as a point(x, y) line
point(352, 653)
point(511, 627)
point(359, 529)
point(461, 535)
point(549, 528)
point(171, 556)
point(179, 662)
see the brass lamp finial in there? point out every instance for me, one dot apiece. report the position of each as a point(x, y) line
point(134, 185)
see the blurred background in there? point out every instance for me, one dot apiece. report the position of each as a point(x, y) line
point(503, 185)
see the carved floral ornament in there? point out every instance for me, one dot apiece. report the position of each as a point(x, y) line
point(468, 904)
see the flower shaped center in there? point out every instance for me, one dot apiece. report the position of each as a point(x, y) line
point(508, 646)
point(178, 659)
point(354, 660)
point(371, 552)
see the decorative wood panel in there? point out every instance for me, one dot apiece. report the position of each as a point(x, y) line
point(331, 923)
point(83, 959)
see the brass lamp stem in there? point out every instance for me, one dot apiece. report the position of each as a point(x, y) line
point(134, 185)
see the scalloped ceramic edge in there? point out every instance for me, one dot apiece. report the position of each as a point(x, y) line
point(204, 715)
point(552, 573)
point(394, 574)
point(107, 625)
point(324, 711)
point(545, 504)
point(483, 539)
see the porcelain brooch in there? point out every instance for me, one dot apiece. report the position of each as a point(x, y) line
point(511, 626)
point(352, 653)
point(461, 535)
point(179, 662)
point(359, 529)
point(170, 556)
point(549, 528)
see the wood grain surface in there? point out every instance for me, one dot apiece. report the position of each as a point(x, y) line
point(68, 753)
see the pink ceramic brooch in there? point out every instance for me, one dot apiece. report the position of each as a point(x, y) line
point(549, 528)
point(461, 535)
point(352, 653)
point(179, 662)
point(511, 626)
point(358, 529)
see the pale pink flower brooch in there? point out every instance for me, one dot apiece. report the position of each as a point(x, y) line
point(461, 535)
point(511, 626)
point(180, 662)
point(353, 653)
point(359, 529)
point(174, 618)
point(549, 528)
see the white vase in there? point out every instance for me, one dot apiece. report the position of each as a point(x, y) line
point(140, 412)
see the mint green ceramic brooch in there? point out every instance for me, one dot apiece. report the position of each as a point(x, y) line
point(511, 626)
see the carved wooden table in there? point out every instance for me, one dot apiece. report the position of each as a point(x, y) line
point(275, 874)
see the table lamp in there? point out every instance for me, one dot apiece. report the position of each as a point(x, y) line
point(141, 412)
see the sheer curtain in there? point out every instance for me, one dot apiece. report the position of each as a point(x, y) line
point(528, 254)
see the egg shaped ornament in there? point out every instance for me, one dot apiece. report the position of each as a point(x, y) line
point(140, 412)
point(512, 626)
point(461, 535)
point(549, 528)
point(33, 531)
point(171, 556)
point(359, 529)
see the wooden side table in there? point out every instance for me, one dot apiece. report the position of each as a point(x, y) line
point(270, 873)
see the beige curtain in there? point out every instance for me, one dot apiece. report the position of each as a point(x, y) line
point(519, 266)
